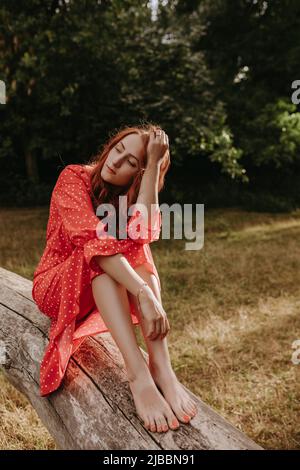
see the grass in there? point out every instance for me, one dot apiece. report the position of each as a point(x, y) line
point(234, 313)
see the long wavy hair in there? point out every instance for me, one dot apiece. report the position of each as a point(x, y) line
point(105, 192)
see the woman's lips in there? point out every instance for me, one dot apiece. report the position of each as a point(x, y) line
point(111, 170)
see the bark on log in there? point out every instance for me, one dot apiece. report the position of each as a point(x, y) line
point(93, 408)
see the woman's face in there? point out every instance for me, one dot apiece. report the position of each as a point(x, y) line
point(125, 161)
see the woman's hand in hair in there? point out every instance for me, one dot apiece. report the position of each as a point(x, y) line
point(157, 146)
point(153, 315)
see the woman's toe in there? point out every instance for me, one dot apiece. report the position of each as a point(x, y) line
point(152, 425)
point(173, 421)
point(164, 424)
point(147, 423)
point(188, 407)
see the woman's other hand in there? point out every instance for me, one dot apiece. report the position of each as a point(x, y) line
point(153, 314)
point(157, 146)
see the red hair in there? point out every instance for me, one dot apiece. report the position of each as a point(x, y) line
point(104, 192)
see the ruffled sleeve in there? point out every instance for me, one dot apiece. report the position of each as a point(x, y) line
point(83, 227)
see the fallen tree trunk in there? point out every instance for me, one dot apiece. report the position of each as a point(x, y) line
point(93, 408)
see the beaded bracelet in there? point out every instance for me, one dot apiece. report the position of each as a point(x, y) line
point(138, 293)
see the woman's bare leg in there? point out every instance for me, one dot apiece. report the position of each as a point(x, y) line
point(160, 364)
point(112, 301)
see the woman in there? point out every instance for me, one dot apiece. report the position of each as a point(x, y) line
point(89, 283)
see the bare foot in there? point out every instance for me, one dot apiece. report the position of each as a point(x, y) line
point(151, 405)
point(175, 394)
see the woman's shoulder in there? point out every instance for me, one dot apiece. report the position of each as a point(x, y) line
point(73, 175)
point(81, 170)
point(76, 167)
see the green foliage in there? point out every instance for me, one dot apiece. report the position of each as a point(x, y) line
point(213, 74)
point(274, 135)
point(76, 71)
point(252, 50)
point(223, 151)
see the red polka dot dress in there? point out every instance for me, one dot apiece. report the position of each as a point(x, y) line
point(62, 280)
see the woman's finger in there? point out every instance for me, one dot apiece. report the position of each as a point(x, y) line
point(154, 328)
point(163, 328)
point(151, 329)
point(157, 329)
point(167, 327)
point(160, 134)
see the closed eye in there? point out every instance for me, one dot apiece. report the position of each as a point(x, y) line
point(130, 163)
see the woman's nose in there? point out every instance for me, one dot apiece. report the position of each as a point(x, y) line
point(117, 161)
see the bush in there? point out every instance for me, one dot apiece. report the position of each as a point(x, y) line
point(17, 191)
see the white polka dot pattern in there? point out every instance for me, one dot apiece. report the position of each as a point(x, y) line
point(62, 279)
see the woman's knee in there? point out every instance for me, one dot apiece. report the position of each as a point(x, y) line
point(110, 295)
point(104, 280)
